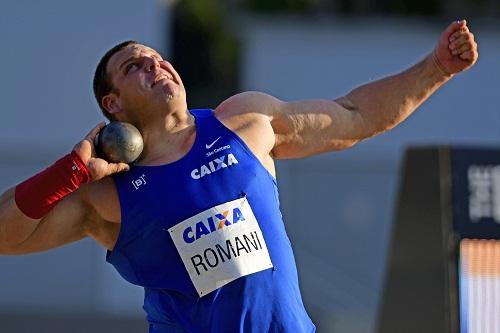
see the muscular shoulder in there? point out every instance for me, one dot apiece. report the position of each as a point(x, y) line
point(248, 103)
point(249, 115)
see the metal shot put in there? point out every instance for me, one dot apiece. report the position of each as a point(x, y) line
point(195, 220)
point(119, 142)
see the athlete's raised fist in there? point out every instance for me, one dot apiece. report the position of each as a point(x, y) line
point(456, 49)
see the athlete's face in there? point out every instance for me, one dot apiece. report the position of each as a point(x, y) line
point(142, 80)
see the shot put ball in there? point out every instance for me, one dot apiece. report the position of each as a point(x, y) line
point(119, 142)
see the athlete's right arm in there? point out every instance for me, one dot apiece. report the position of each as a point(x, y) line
point(66, 222)
point(20, 234)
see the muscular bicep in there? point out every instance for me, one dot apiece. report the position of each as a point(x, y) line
point(310, 127)
point(300, 128)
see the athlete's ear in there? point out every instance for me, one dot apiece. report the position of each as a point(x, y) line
point(111, 103)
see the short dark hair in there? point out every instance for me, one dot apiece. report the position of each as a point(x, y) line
point(102, 82)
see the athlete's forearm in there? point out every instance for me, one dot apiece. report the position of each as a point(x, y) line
point(385, 103)
point(15, 227)
point(22, 207)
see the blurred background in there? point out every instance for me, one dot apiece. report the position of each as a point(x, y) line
point(338, 207)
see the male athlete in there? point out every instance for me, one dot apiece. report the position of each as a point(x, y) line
point(196, 219)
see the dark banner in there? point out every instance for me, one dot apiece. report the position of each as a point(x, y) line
point(476, 192)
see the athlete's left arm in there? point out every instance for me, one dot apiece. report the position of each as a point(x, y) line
point(309, 127)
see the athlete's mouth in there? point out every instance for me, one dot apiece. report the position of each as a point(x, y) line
point(160, 77)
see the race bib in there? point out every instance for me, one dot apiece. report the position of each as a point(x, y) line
point(220, 245)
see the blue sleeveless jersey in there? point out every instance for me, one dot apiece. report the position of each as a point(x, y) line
point(204, 236)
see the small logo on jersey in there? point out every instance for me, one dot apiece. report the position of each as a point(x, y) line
point(216, 150)
point(139, 182)
point(214, 166)
point(208, 146)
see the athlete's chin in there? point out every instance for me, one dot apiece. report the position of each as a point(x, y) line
point(164, 95)
point(175, 95)
point(168, 94)
point(167, 98)
point(166, 86)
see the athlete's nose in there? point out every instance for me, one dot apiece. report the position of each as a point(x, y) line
point(152, 64)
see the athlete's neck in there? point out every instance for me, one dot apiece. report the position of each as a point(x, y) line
point(167, 139)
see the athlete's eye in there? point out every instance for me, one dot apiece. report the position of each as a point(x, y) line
point(131, 66)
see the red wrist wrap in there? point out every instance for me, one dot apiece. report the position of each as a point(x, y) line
point(36, 196)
